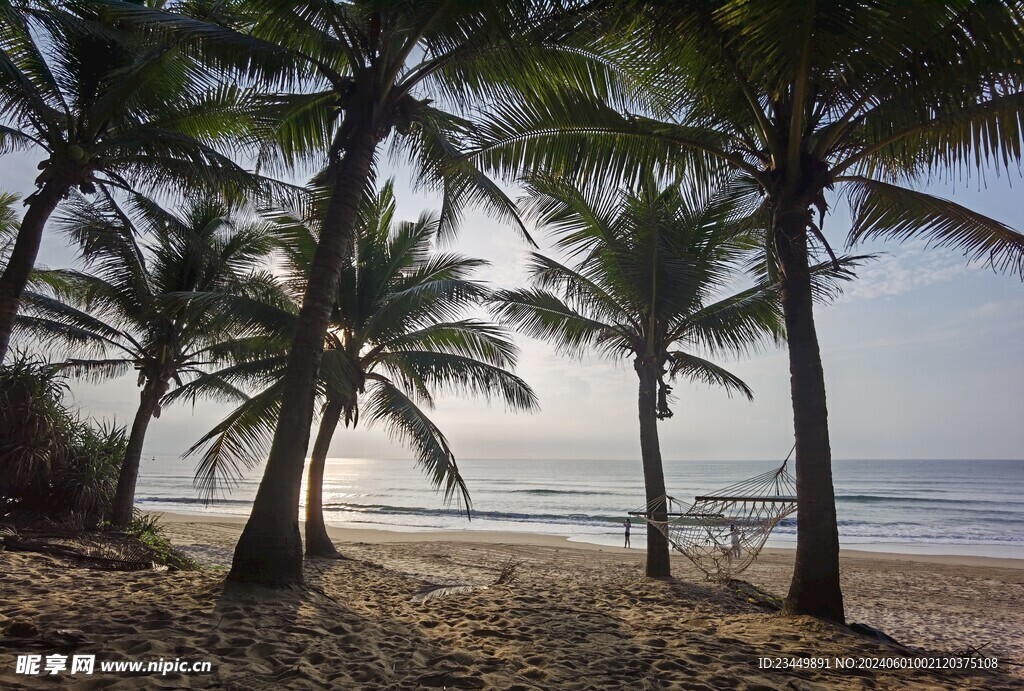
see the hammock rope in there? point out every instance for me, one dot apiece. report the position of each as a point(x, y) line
point(703, 531)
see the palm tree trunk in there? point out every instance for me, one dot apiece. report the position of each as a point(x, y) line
point(815, 588)
point(23, 256)
point(658, 565)
point(270, 548)
point(124, 497)
point(318, 542)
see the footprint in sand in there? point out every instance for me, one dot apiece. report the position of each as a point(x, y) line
point(140, 647)
point(534, 673)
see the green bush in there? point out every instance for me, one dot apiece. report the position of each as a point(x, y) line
point(53, 464)
point(148, 530)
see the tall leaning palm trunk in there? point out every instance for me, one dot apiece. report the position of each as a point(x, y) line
point(270, 547)
point(369, 59)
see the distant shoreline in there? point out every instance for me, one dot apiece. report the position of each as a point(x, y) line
point(932, 508)
point(393, 534)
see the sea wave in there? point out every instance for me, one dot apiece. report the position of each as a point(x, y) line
point(508, 516)
point(194, 500)
point(561, 492)
point(899, 499)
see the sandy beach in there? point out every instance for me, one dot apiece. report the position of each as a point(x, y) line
point(574, 616)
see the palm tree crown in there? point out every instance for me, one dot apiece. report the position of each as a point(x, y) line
point(396, 338)
point(652, 283)
point(133, 303)
point(110, 109)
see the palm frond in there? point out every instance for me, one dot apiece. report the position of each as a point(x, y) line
point(97, 370)
point(50, 319)
point(735, 324)
point(440, 165)
point(236, 443)
point(545, 316)
point(883, 210)
point(388, 406)
point(697, 369)
point(469, 338)
point(569, 134)
point(231, 382)
point(462, 374)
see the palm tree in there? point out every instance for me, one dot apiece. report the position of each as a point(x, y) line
point(110, 110)
point(652, 284)
point(395, 337)
point(133, 309)
point(369, 72)
point(805, 97)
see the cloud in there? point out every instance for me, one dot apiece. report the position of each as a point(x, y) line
point(993, 309)
point(913, 267)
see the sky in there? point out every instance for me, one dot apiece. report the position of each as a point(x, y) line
point(923, 358)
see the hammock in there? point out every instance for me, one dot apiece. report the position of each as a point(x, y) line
point(704, 531)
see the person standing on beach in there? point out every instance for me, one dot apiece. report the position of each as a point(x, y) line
point(627, 525)
point(734, 534)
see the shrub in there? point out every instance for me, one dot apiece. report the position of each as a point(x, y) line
point(148, 530)
point(53, 464)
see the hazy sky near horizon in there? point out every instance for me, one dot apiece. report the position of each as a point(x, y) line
point(923, 357)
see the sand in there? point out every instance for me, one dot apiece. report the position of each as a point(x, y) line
point(575, 617)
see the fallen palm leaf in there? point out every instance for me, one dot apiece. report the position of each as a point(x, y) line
point(431, 592)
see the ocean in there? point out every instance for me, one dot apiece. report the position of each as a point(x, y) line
point(971, 507)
